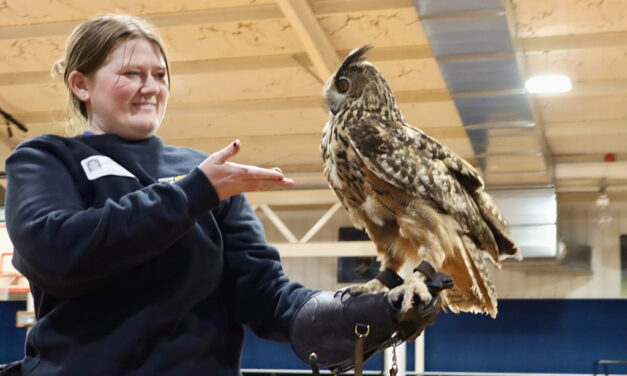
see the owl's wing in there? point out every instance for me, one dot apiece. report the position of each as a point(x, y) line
point(416, 163)
point(403, 155)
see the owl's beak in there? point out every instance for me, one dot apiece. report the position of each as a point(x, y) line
point(332, 102)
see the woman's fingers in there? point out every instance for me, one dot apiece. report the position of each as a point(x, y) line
point(266, 185)
point(257, 173)
point(230, 178)
point(227, 153)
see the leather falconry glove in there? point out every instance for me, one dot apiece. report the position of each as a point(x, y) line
point(328, 324)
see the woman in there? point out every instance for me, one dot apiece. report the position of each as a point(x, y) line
point(143, 258)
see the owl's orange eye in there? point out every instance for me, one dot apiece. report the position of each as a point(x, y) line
point(343, 84)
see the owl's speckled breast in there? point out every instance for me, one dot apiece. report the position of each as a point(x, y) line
point(342, 167)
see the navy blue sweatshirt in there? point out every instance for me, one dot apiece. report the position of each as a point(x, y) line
point(135, 265)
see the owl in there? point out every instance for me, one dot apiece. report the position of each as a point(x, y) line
point(416, 199)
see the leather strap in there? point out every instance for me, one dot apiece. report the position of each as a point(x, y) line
point(361, 331)
point(313, 363)
point(389, 278)
point(426, 269)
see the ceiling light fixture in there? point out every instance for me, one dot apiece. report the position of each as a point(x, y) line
point(548, 83)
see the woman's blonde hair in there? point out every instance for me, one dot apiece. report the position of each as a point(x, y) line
point(87, 50)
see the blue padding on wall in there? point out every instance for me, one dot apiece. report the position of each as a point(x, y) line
point(11, 338)
point(263, 354)
point(545, 336)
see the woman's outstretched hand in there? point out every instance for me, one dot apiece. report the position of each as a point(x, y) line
point(230, 179)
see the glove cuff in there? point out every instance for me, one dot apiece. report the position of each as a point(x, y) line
point(326, 325)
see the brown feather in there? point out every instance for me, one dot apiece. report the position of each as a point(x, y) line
point(416, 199)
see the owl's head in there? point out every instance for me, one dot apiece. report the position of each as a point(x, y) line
point(358, 83)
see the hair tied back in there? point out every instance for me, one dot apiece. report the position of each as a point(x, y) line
point(58, 70)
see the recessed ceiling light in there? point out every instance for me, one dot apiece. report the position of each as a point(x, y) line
point(549, 83)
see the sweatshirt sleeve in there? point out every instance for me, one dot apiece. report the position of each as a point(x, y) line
point(68, 249)
point(261, 295)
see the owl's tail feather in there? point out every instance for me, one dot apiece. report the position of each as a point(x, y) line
point(473, 291)
point(456, 256)
point(498, 225)
point(484, 281)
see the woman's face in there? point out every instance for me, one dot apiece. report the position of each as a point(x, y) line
point(128, 94)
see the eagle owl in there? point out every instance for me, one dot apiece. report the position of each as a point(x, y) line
point(416, 199)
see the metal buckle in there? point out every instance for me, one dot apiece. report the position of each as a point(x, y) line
point(359, 330)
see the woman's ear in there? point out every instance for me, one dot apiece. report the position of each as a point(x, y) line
point(79, 84)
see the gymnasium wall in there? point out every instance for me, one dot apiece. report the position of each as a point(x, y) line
point(548, 323)
point(575, 223)
point(531, 336)
point(528, 336)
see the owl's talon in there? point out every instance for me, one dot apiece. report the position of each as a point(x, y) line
point(348, 292)
point(340, 292)
point(413, 286)
point(371, 287)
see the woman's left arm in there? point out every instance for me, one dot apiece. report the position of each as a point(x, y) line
point(260, 294)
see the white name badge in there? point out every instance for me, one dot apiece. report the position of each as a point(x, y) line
point(97, 166)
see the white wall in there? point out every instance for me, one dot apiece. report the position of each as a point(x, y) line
point(575, 223)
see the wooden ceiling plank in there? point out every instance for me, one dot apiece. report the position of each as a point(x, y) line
point(325, 7)
point(254, 124)
point(17, 24)
point(180, 18)
point(24, 78)
point(19, 12)
point(573, 42)
point(552, 17)
point(221, 15)
point(571, 109)
point(315, 40)
point(293, 150)
point(597, 144)
point(591, 88)
point(583, 65)
point(51, 109)
point(234, 64)
point(586, 128)
point(614, 170)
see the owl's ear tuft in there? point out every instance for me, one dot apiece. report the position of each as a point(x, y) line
point(355, 56)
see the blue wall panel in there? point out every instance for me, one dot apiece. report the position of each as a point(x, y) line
point(547, 336)
point(544, 336)
point(11, 338)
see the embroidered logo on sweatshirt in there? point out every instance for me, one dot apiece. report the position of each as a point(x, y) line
point(171, 179)
point(98, 166)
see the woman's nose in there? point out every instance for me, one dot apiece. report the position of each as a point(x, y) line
point(151, 86)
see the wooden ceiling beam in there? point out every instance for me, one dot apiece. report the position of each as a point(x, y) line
point(613, 170)
point(240, 64)
point(586, 128)
point(315, 40)
point(325, 7)
point(207, 16)
point(261, 105)
point(572, 42)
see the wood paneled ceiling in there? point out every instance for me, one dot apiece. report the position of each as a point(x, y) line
point(254, 70)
